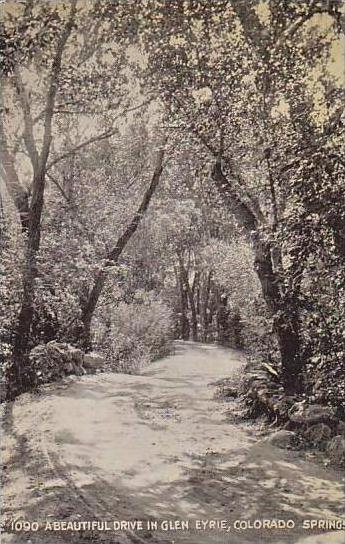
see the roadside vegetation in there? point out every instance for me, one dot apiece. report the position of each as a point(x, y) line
point(175, 170)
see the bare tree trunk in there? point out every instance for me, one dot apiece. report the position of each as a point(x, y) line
point(285, 318)
point(338, 227)
point(282, 309)
point(222, 319)
point(17, 192)
point(196, 292)
point(25, 318)
point(205, 317)
point(190, 294)
point(113, 256)
point(18, 377)
point(194, 315)
point(89, 308)
point(184, 323)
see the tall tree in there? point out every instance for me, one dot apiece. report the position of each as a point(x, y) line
point(114, 254)
point(229, 73)
point(56, 61)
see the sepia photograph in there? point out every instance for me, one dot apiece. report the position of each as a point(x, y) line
point(172, 271)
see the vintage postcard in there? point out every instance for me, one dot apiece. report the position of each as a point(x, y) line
point(172, 271)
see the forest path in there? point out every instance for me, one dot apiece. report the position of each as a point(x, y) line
point(156, 446)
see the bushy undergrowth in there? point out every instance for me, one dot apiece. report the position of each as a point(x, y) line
point(138, 332)
point(52, 361)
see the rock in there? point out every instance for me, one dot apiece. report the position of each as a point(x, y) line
point(68, 367)
point(336, 450)
point(282, 439)
point(229, 391)
point(3, 390)
point(76, 355)
point(284, 404)
point(254, 380)
point(69, 358)
point(78, 369)
point(56, 349)
point(93, 360)
point(302, 414)
point(318, 434)
point(341, 428)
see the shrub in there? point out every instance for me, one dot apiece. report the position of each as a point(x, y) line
point(52, 361)
point(138, 332)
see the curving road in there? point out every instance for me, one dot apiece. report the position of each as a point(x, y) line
point(156, 446)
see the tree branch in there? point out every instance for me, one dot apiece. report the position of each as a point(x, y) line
point(230, 164)
point(80, 112)
point(114, 254)
point(53, 87)
point(28, 133)
point(239, 209)
point(103, 136)
point(73, 207)
point(57, 184)
point(17, 192)
point(273, 193)
point(86, 143)
point(296, 25)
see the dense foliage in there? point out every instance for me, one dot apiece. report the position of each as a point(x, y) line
point(174, 169)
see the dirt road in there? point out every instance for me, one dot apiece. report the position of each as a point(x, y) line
point(155, 446)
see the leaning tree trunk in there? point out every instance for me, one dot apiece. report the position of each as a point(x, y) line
point(285, 317)
point(282, 309)
point(113, 257)
point(19, 378)
point(15, 189)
